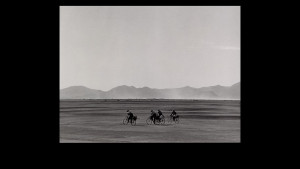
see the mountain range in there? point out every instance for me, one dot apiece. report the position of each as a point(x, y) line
point(131, 92)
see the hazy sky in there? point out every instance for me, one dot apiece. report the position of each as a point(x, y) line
point(155, 46)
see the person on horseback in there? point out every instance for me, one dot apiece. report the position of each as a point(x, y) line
point(130, 115)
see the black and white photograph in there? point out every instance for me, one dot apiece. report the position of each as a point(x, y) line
point(149, 74)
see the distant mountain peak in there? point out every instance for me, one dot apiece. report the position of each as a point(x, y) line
point(122, 86)
point(236, 84)
point(131, 92)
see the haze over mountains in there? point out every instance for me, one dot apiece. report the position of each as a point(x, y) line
point(131, 92)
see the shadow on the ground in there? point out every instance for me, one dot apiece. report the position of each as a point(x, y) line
point(141, 124)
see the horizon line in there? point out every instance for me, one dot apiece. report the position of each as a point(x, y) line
point(147, 87)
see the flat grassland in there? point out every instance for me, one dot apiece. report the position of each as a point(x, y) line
point(100, 121)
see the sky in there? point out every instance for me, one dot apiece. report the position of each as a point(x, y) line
point(102, 47)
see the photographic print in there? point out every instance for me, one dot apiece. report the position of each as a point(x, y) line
point(149, 74)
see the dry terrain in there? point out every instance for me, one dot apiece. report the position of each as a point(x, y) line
point(100, 121)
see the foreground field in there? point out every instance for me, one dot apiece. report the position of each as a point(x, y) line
point(100, 121)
